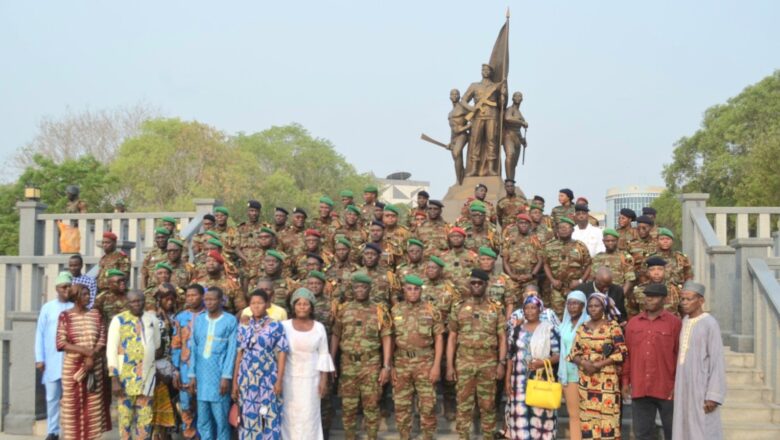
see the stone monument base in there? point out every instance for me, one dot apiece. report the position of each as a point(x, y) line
point(457, 194)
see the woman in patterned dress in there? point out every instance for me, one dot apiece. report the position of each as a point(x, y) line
point(81, 334)
point(531, 340)
point(164, 415)
point(598, 349)
point(260, 361)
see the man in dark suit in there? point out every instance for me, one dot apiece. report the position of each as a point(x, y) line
point(603, 283)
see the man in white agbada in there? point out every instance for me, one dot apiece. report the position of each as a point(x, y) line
point(700, 382)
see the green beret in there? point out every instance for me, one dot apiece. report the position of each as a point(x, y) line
point(222, 209)
point(361, 277)
point(317, 274)
point(477, 207)
point(343, 240)
point(414, 241)
point(392, 209)
point(371, 189)
point(413, 280)
point(437, 260)
point(484, 250)
point(274, 253)
point(115, 273)
point(534, 206)
point(566, 220)
point(327, 200)
point(176, 241)
point(215, 242)
point(268, 230)
point(346, 193)
point(665, 232)
point(612, 232)
point(354, 209)
point(213, 234)
point(162, 231)
point(169, 219)
point(163, 265)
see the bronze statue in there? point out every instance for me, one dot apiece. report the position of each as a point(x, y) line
point(459, 135)
point(484, 157)
point(514, 140)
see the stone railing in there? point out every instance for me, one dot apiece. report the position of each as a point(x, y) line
point(765, 289)
point(27, 282)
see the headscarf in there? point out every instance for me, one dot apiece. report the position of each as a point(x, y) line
point(63, 278)
point(303, 293)
point(90, 284)
point(610, 309)
point(541, 343)
point(567, 328)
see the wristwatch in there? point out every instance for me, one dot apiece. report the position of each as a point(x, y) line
point(502, 362)
point(387, 367)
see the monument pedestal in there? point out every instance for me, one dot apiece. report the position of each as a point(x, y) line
point(457, 194)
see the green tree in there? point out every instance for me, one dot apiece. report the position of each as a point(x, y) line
point(91, 176)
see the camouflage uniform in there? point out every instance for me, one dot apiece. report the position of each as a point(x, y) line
point(291, 241)
point(77, 206)
point(543, 233)
point(151, 259)
point(283, 288)
point(338, 275)
point(434, 234)
point(300, 263)
point(654, 232)
point(620, 263)
point(115, 260)
point(110, 305)
point(568, 262)
point(355, 234)
point(442, 294)
point(228, 235)
point(397, 235)
point(415, 327)
point(562, 211)
point(479, 325)
point(229, 287)
point(249, 245)
point(384, 286)
point(325, 308)
point(676, 272)
point(507, 209)
point(367, 213)
point(392, 254)
point(327, 228)
point(488, 236)
point(521, 254)
point(410, 269)
point(640, 250)
point(635, 304)
point(360, 327)
point(503, 291)
point(458, 266)
point(627, 235)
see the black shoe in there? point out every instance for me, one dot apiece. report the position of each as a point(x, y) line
point(52, 437)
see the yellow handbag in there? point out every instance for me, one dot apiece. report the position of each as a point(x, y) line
point(541, 393)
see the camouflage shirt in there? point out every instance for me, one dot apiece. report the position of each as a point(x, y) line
point(434, 234)
point(151, 259)
point(562, 211)
point(415, 326)
point(568, 260)
point(233, 298)
point(360, 327)
point(487, 236)
point(621, 264)
point(114, 260)
point(543, 233)
point(110, 305)
point(520, 252)
point(627, 235)
point(479, 324)
point(442, 294)
point(507, 209)
point(641, 249)
point(678, 267)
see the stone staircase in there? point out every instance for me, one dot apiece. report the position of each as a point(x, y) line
point(748, 413)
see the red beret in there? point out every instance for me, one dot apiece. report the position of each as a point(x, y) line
point(109, 235)
point(312, 232)
point(524, 216)
point(582, 200)
point(458, 230)
point(217, 256)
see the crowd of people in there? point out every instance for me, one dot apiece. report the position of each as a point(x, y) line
point(270, 322)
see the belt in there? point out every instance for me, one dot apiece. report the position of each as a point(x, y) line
point(362, 357)
point(478, 350)
point(411, 354)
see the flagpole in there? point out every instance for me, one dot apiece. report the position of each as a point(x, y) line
point(503, 104)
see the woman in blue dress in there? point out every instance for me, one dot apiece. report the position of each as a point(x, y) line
point(260, 360)
point(531, 341)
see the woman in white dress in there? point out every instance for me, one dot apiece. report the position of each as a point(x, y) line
point(308, 365)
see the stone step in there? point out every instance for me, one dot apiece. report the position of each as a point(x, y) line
point(738, 412)
point(751, 431)
point(736, 376)
point(743, 360)
point(747, 393)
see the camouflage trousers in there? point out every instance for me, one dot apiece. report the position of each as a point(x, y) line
point(558, 300)
point(476, 374)
point(359, 386)
point(135, 417)
point(326, 408)
point(412, 377)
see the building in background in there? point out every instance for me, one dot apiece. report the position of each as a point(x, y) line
point(633, 197)
point(397, 188)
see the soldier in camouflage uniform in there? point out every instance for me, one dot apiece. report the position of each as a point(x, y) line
point(370, 195)
point(656, 273)
point(340, 269)
point(509, 206)
point(414, 260)
point(626, 232)
point(418, 212)
point(234, 300)
point(442, 294)
point(112, 301)
point(459, 260)
point(156, 255)
point(480, 232)
point(75, 205)
point(327, 224)
point(520, 254)
point(280, 220)
point(199, 240)
point(501, 289)
point(433, 231)
point(644, 246)
point(651, 213)
point(392, 254)
point(291, 239)
point(417, 331)
point(620, 263)
point(282, 287)
point(170, 223)
point(182, 271)
point(254, 248)
point(161, 275)
point(111, 259)
point(248, 247)
point(565, 209)
point(678, 267)
point(396, 234)
point(384, 287)
point(566, 264)
point(213, 244)
point(480, 195)
point(350, 228)
point(227, 234)
point(312, 242)
point(477, 339)
point(539, 222)
point(546, 219)
point(362, 332)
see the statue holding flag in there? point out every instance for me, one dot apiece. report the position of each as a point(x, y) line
point(485, 116)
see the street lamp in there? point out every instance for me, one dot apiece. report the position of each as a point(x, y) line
point(32, 192)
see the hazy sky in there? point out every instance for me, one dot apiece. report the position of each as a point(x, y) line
point(609, 85)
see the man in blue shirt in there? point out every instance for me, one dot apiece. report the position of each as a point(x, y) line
point(47, 359)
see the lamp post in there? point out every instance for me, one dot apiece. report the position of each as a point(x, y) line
point(32, 192)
